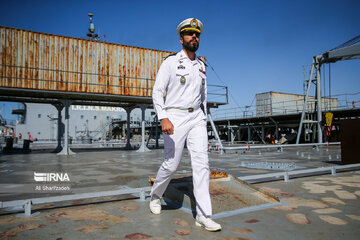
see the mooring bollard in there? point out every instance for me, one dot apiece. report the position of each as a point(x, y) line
point(142, 195)
point(286, 177)
point(333, 171)
point(27, 207)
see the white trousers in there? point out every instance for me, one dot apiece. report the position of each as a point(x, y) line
point(192, 128)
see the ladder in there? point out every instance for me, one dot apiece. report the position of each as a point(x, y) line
point(312, 113)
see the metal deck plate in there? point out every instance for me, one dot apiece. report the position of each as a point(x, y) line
point(229, 196)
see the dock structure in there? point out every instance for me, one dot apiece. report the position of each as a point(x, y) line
point(245, 127)
point(63, 71)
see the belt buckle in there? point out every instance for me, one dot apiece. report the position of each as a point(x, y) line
point(190, 109)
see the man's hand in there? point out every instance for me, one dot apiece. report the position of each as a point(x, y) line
point(166, 126)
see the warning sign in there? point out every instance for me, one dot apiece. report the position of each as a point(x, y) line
point(328, 118)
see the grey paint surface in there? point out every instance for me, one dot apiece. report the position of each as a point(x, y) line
point(95, 170)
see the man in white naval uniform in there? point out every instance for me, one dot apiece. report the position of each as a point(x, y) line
point(179, 97)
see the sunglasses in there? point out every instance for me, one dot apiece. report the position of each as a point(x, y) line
point(190, 33)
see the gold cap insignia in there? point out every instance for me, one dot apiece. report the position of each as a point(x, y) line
point(194, 23)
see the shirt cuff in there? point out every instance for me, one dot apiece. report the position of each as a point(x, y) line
point(162, 115)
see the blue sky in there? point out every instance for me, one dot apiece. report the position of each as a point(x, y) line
point(254, 46)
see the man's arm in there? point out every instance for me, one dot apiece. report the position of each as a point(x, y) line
point(204, 97)
point(160, 87)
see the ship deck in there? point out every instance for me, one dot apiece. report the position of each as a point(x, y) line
point(313, 206)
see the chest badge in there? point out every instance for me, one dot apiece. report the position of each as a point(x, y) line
point(182, 80)
point(203, 81)
point(181, 67)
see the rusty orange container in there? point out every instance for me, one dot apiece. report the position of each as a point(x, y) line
point(34, 60)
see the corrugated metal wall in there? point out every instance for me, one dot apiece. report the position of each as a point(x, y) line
point(33, 60)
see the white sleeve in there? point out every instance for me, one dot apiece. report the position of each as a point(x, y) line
point(204, 96)
point(160, 87)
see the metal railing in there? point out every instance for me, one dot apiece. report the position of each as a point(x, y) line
point(98, 82)
point(337, 102)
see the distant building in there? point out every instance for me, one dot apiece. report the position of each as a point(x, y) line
point(40, 120)
point(276, 103)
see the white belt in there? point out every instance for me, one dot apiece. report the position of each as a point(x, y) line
point(181, 110)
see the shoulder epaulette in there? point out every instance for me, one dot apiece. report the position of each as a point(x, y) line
point(202, 61)
point(173, 54)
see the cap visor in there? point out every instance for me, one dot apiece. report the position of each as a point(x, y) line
point(190, 29)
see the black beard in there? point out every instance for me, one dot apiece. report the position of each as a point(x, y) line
point(192, 47)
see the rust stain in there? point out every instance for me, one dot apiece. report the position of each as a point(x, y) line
point(332, 220)
point(285, 208)
point(138, 236)
point(217, 174)
point(264, 196)
point(277, 191)
point(184, 231)
point(95, 215)
point(36, 61)
point(252, 220)
point(89, 214)
point(12, 219)
point(242, 231)
point(56, 215)
point(284, 194)
point(53, 221)
point(113, 68)
point(91, 228)
point(49, 205)
point(217, 190)
point(12, 232)
point(297, 218)
point(181, 222)
point(151, 181)
point(79, 201)
point(129, 208)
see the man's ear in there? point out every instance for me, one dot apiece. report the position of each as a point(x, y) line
point(181, 40)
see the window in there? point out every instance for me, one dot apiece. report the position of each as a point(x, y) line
point(82, 116)
point(39, 115)
point(107, 117)
point(94, 117)
point(39, 133)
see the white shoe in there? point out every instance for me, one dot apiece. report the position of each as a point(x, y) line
point(207, 223)
point(155, 206)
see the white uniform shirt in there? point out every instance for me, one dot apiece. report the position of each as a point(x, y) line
point(179, 94)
